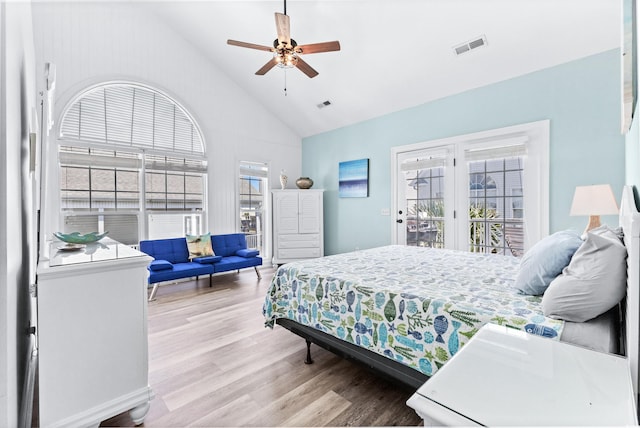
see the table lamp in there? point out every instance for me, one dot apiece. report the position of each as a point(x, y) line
point(594, 201)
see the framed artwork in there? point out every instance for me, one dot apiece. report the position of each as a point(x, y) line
point(353, 179)
point(629, 88)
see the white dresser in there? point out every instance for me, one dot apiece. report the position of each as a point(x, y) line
point(92, 335)
point(298, 225)
point(506, 377)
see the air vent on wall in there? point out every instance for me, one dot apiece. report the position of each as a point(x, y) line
point(472, 44)
point(324, 104)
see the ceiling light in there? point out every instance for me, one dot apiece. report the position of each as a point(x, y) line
point(285, 54)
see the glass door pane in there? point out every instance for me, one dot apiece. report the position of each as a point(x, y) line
point(252, 188)
point(425, 207)
point(495, 206)
point(425, 198)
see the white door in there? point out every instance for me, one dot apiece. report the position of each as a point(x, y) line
point(424, 208)
point(309, 211)
point(286, 207)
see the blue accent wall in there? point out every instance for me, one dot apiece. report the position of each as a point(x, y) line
point(580, 98)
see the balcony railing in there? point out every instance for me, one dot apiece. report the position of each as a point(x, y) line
point(254, 240)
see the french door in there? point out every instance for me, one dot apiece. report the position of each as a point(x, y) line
point(483, 192)
point(425, 208)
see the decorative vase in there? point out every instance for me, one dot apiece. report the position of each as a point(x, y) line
point(283, 179)
point(304, 183)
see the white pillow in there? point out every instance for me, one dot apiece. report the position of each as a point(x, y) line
point(594, 282)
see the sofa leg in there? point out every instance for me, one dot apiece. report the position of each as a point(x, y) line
point(210, 285)
point(152, 296)
point(257, 272)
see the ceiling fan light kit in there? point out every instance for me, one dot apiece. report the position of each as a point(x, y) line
point(286, 52)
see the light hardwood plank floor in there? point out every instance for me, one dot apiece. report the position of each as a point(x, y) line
point(213, 363)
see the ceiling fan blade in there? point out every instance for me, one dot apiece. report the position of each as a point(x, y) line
point(306, 68)
point(249, 45)
point(268, 66)
point(318, 47)
point(283, 28)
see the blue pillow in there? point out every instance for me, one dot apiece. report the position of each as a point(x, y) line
point(247, 252)
point(160, 265)
point(207, 259)
point(545, 260)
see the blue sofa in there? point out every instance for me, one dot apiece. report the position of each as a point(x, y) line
point(171, 258)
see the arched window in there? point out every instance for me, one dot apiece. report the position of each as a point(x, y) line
point(132, 162)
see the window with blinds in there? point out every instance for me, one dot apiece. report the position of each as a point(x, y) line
point(126, 151)
point(131, 115)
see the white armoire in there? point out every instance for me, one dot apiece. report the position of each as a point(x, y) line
point(298, 225)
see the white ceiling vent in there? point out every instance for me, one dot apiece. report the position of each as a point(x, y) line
point(472, 44)
point(324, 104)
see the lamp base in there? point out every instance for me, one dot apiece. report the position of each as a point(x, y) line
point(594, 221)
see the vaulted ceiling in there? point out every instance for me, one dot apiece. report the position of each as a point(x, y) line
point(395, 53)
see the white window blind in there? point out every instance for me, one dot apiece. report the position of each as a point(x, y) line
point(165, 163)
point(434, 159)
point(419, 164)
point(253, 170)
point(116, 160)
point(121, 227)
point(507, 148)
point(131, 115)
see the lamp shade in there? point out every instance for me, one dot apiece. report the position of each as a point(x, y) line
point(594, 200)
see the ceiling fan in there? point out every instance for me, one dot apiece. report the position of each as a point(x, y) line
point(286, 51)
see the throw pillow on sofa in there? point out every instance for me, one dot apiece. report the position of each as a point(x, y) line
point(247, 252)
point(199, 245)
point(157, 265)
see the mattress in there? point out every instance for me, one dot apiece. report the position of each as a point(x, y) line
point(600, 334)
point(415, 305)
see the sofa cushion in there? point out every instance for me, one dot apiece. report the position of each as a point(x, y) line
point(207, 259)
point(247, 252)
point(228, 245)
point(160, 265)
point(181, 270)
point(173, 250)
point(199, 245)
point(236, 262)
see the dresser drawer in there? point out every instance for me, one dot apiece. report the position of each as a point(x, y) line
point(299, 241)
point(298, 253)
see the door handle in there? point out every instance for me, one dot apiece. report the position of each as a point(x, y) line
point(399, 220)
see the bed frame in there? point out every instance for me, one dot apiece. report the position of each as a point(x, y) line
point(630, 338)
point(630, 222)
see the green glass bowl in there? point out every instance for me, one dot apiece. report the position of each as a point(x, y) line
point(77, 238)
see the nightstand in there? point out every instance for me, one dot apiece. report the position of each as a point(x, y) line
point(504, 376)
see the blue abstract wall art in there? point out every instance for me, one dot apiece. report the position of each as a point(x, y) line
point(353, 179)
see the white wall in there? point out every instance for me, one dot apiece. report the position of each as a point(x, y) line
point(17, 98)
point(93, 42)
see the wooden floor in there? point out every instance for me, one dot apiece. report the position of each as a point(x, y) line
point(213, 363)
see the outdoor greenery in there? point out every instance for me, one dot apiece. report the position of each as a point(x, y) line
point(434, 211)
point(477, 234)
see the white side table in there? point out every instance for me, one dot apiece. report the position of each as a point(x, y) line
point(508, 377)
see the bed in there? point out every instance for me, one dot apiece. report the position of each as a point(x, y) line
point(404, 311)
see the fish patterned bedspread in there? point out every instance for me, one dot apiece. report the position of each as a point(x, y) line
point(416, 305)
